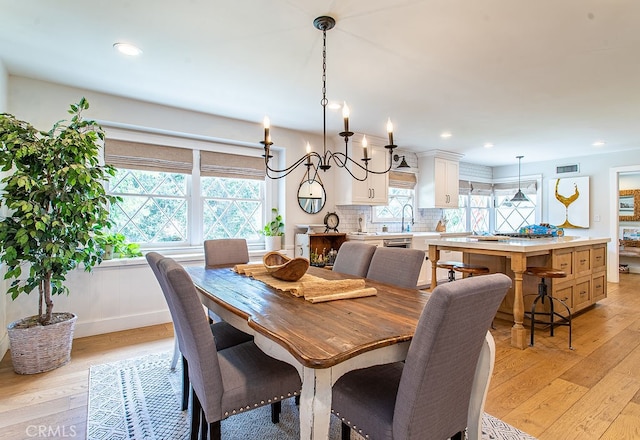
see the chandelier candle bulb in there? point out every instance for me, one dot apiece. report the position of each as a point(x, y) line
point(308, 154)
point(345, 115)
point(267, 125)
point(364, 147)
point(390, 131)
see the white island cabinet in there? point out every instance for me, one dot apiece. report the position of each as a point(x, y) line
point(438, 179)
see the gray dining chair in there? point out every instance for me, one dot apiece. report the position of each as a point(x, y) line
point(224, 382)
point(396, 266)
point(225, 334)
point(225, 251)
point(428, 395)
point(353, 258)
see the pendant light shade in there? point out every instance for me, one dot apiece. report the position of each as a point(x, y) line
point(519, 197)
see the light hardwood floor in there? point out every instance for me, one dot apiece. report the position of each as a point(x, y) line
point(549, 391)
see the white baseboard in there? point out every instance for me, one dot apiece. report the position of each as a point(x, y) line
point(120, 323)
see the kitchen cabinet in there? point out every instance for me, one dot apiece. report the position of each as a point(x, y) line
point(374, 190)
point(438, 180)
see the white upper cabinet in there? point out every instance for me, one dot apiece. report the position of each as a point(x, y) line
point(438, 179)
point(372, 191)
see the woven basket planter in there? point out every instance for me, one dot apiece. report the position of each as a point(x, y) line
point(41, 348)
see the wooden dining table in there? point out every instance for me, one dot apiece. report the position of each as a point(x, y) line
point(325, 340)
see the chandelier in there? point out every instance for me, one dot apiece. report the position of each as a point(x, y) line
point(314, 160)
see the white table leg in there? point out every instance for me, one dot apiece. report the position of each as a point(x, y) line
point(484, 370)
point(315, 404)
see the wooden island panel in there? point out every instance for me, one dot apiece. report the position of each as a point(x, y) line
point(583, 259)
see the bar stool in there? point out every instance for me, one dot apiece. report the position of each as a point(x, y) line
point(542, 273)
point(448, 265)
point(471, 269)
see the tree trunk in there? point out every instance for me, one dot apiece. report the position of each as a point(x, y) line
point(47, 299)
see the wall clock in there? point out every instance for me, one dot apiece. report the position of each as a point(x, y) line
point(331, 221)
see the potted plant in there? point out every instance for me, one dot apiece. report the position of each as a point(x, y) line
point(55, 204)
point(115, 245)
point(273, 232)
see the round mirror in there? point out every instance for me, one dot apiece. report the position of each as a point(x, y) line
point(311, 196)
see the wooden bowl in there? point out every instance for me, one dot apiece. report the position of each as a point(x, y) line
point(284, 268)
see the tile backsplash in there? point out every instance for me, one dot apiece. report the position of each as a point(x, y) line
point(425, 219)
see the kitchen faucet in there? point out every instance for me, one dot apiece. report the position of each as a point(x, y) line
point(412, 222)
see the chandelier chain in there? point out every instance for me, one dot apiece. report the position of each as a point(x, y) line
point(324, 69)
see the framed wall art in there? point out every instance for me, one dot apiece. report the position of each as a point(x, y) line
point(569, 202)
point(629, 205)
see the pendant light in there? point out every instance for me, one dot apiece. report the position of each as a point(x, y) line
point(519, 197)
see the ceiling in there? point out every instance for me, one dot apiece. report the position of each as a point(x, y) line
point(544, 79)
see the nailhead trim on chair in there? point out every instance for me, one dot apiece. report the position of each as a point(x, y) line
point(354, 427)
point(262, 402)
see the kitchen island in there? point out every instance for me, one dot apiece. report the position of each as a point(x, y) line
point(583, 259)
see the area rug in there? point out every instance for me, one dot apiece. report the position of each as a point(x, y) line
point(140, 398)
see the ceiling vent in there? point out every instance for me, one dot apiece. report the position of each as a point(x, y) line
point(563, 169)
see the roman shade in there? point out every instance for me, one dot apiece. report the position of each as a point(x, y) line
point(149, 157)
point(231, 165)
point(527, 187)
point(399, 179)
point(474, 188)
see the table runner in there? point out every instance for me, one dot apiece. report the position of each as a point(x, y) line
point(312, 288)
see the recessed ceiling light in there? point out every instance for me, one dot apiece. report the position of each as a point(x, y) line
point(127, 49)
point(334, 106)
point(488, 145)
point(445, 135)
point(599, 143)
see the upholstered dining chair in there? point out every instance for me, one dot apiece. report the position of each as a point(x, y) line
point(224, 333)
point(397, 266)
point(428, 395)
point(353, 258)
point(225, 251)
point(224, 382)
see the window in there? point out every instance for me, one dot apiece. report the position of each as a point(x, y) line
point(398, 197)
point(154, 206)
point(168, 200)
point(232, 208)
point(401, 193)
point(511, 217)
point(476, 212)
point(473, 214)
